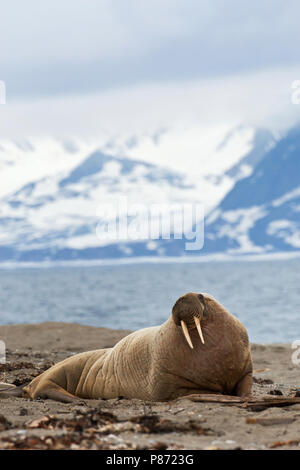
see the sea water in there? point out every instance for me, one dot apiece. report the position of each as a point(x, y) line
point(264, 295)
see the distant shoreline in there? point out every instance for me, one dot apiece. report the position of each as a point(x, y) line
point(214, 258)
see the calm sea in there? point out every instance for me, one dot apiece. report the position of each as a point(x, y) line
point(264, 295)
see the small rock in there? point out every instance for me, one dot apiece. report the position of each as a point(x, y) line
point(260, 381)
point(3, 420)
point(4, 423)
point(275, 392)
point(160, 446)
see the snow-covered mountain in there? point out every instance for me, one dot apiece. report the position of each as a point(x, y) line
point(52, 193)
point(261, 214)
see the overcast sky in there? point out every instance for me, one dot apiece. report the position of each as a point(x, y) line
point(53, 49)
point(62, 46)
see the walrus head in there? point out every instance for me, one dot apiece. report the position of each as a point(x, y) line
point(188, 312)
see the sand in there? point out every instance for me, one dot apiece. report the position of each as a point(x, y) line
point(134, 424)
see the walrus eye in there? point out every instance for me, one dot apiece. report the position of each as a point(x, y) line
point(201, 298)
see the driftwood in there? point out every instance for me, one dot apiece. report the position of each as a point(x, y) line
point(265, 401)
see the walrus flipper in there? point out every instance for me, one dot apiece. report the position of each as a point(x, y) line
point(51, 390)
point(4, 387)
point(10, 390)
point(61, 395)
point(244, 386)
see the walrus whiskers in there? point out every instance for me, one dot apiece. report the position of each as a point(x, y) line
point(186, 334)
point(197, 321)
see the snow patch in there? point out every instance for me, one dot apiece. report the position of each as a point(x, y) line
point(287, 197)
point(287, 230)
point(239, 222)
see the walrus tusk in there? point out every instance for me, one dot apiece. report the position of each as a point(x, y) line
point(197, 321)
point(186, 334)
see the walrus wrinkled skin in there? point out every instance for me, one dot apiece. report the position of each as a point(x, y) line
point(200, 349)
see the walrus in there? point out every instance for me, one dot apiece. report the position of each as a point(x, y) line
point(200, 349)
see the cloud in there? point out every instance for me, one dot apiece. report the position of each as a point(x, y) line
point(75, 46)
point(258, 99)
